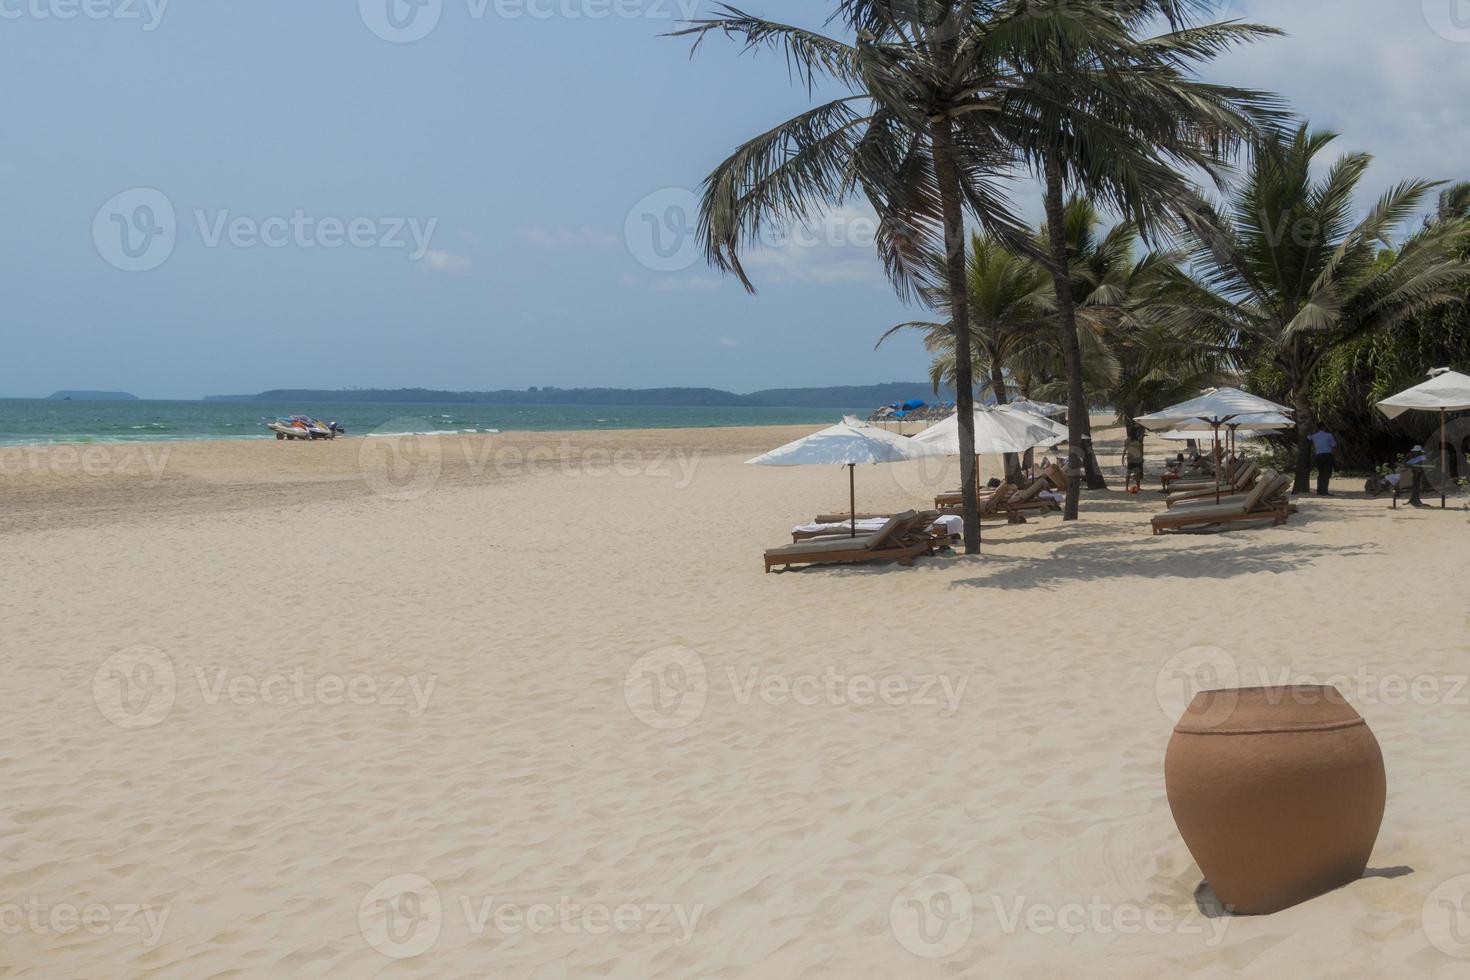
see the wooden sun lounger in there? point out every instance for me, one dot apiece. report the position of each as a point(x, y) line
point(896, 541)
point(1171, 480)
point(1242, 479)
point(925, 523)
point(1262, 503)
point(1245, 481)
point(997, 504)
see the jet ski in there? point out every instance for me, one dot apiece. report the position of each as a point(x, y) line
point(304, 427)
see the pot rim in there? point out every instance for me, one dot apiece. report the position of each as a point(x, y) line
point(1268, 726)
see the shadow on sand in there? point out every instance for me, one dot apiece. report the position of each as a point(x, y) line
point(1087, 560)
point(1211, 907)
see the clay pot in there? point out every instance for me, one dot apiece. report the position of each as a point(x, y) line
point(1278, 792)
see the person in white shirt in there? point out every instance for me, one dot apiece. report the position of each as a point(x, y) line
point(1324, 444)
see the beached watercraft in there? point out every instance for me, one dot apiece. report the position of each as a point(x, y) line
point(304, 427)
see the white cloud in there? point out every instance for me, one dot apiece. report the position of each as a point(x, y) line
point(583, 237)
point(440, 260)
point(1391, 77)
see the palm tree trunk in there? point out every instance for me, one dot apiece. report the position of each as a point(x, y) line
point(1077, 426)
point(1304, 428)
point(1095, 478)
point(948, 178)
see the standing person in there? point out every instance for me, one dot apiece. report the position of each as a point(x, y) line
point(1133, 457)
point(1324, 444)
point(1416, 461)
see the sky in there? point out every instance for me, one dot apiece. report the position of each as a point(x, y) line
point(206, 198)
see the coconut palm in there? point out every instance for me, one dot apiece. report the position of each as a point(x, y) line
point(901, 137)
point(1007, 298)
point(918, 134)
point(1146, 88)
point(1285, 269)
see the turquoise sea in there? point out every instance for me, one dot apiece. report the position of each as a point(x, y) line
point(27, 421)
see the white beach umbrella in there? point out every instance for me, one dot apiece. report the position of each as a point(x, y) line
point(1216, 408)
point(847, 443)
point(1044, 409)
point(997, 430)
point(1258, 422)
point(1446, 391)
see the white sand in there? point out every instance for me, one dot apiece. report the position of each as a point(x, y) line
point(774, 822)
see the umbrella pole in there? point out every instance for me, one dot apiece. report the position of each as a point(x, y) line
point(1444, 467)
point(852, 494)
point(1219, 463)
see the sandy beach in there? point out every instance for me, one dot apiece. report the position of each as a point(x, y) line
point(526, 705)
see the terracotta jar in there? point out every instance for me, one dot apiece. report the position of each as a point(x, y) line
point(1277, 791)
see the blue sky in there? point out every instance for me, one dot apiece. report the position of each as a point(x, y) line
point(483, 190)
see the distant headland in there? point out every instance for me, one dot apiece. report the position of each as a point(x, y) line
point(852, 396)
point(94, 396)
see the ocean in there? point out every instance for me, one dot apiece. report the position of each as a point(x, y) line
point(34, 421)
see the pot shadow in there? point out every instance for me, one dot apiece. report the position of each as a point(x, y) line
point(1211, 907)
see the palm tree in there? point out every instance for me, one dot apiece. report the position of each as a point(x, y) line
point(900, 136)
point(1284, 268)
point(1138, 119)
point(918, 134)
point(1008, 301)
point(1127, 302)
